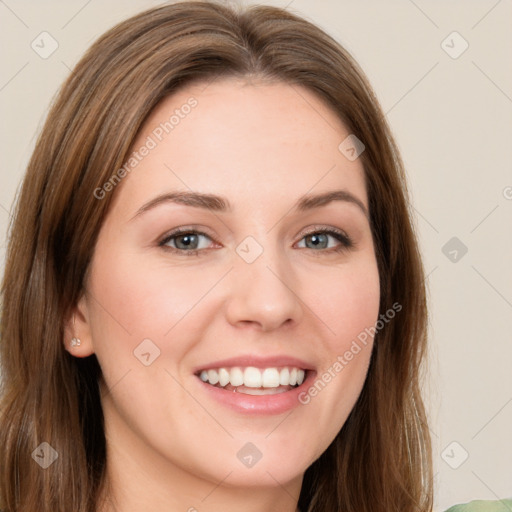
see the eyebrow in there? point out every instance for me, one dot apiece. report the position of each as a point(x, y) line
point(221, 204)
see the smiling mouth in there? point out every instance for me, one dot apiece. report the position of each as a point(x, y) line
point(254, 381)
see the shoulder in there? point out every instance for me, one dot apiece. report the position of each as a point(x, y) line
point(504, 505)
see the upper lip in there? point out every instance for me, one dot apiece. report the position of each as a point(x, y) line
point(257, 362)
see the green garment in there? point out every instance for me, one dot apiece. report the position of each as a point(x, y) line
point(504, 505)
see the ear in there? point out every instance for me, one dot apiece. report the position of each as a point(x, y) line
point(77, 326)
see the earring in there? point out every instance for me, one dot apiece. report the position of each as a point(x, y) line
point(75, 342)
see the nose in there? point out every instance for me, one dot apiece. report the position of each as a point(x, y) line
point(264, 293)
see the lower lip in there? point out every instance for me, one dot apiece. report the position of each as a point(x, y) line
point(259, 404)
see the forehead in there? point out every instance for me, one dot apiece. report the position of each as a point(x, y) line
point(276, 140)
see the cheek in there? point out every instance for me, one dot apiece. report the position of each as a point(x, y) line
point(349, 309)
point(349, 304)
point(140, 299)
point(137, 298)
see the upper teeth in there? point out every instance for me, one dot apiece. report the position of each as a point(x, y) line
point(253, 377)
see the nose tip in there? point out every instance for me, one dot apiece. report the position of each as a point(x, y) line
point(263, 297)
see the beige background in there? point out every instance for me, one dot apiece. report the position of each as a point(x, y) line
point(452, 118)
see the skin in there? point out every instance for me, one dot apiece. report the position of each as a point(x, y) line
point(262, 146)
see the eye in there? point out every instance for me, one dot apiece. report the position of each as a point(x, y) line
point(187, 241)
point(320, 239)
point(184, 241)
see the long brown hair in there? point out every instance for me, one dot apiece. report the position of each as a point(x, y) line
point(380, 461)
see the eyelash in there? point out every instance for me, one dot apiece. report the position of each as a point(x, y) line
point(346, 242)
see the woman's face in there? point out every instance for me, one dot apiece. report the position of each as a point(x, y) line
point(265, 284)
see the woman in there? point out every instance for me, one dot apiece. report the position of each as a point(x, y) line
point(175, 335)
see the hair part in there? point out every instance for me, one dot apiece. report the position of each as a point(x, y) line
point(381, 458)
